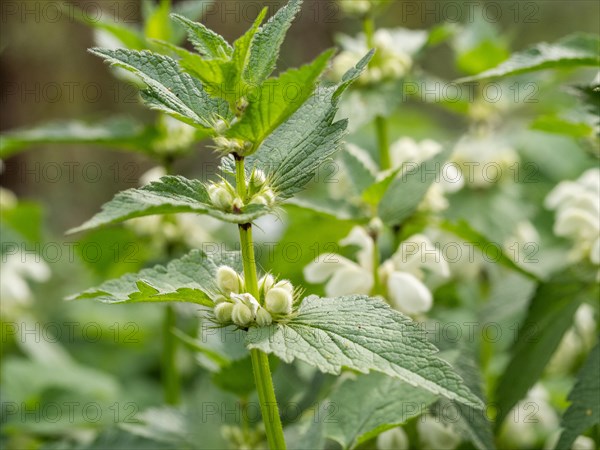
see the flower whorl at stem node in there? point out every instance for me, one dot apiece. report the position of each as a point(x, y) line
point(233, 305)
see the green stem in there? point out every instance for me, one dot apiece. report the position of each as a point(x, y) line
point(377, 289)
point(240, 177)
point(369, 29)
point(383, 143)
point(260, 361)
point(170, 376)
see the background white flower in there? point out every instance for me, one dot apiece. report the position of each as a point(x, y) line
point(17, 269)
point(435, 435)
point(394, 439)
point(402, 276)
point(531, 421)
point(577, 206)
point(485, 158)
point(395, 48)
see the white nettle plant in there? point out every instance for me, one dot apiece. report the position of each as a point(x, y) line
point(578, 215)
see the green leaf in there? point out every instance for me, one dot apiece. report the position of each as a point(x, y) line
point(375, 192)
point(549, 316)
point(359, 166)
point(584, 411)
point(169, 195)
point(208, 43)
point(169, 90)
point(463, 230)
point(277, 99)
point(405, 193)
point(362, 334)
point(372, 404)
point(264, 50)
point(294, 151)
point(472, 424)
point(188, 279)
point(572, 51)
point(575, 124)
point(117, 132)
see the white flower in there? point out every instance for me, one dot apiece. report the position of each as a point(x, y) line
point(577, 206)
point(263, 318)
point(17, 269)
point(578, 340)
point(531, 421)
point(580, 443)
point(394, 439)
point(406, 270)
point(522, 243)
point(408, 150)
point(223, 312)
point(175, 135)
point(220, 196)
point(402, 275)
point(355, 7)
point(395, 48)
point(278, 301)
point(228, 280)
point(484, 158)
point(435, 435)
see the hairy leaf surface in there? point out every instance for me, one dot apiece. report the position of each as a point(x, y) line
point(363, 334)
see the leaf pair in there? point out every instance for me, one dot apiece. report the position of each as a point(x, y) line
point(355, 332)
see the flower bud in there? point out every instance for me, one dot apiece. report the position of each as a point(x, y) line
point(223, 312)
point(263, 318)
point(228, 280)
point(279, 301)
point(238, 204)
point(220, 196)
point(286, 285)
point(257, 179)
point(266, 282)
point(241, 315)
point(220, 126)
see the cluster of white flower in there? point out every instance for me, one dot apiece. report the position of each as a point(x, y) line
point(577, 206)
point(433, 435)
point(485, 158)
point(223, 194)
point(234, 305)
point(533, 421)
point(356, 7)
point(17, 269)
point(402, 275)
point(577, 341)
point(225, 146)
point(393, 60)
point(407, 150)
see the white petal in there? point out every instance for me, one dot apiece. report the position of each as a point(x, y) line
point(418, 252)
point(563, 193)
point(358, 236)
point(576, 223)
point(350, 280)
point(325, 266)
point(408, 294)
point(153, 174)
